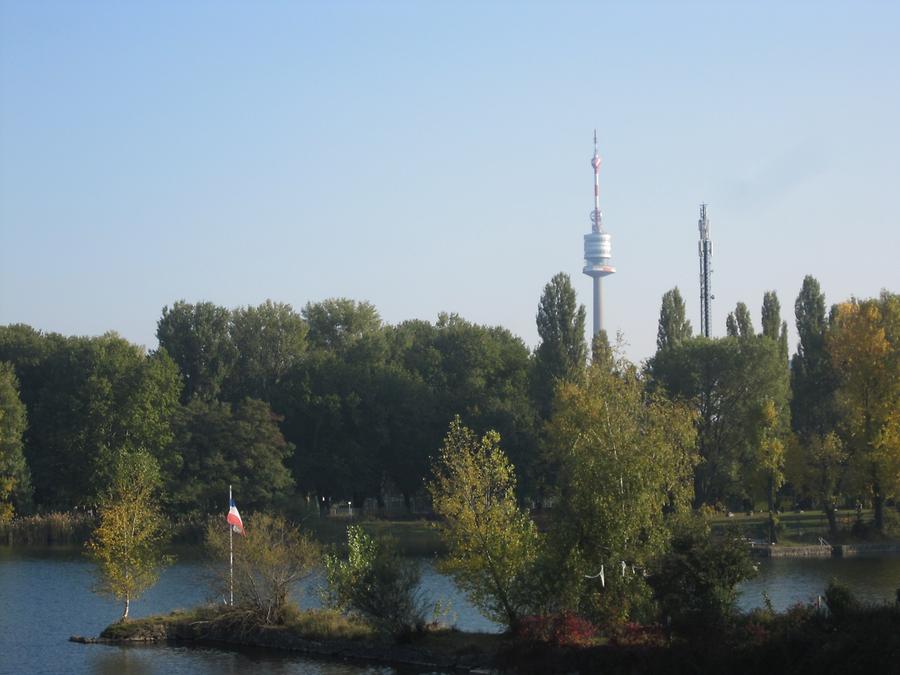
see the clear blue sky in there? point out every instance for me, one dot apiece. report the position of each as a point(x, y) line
point(434, 156)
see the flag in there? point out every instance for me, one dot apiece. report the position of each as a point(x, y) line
point(234, 518)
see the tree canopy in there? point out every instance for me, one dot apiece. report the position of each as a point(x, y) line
point(562, 351)
point(492, 542)
point(864, 346)
point(15, 478)
point(626, 462)
point(674, 328)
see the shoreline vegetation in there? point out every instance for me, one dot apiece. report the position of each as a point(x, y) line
point(418, 537)
point(841, 635)
point(655, 475)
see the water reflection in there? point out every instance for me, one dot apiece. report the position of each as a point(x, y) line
point(150, 660)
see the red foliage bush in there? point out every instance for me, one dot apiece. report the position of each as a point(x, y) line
point(756, 633)
point(563, 629)
point(633, 634)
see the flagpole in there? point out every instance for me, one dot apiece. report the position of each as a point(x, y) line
point(230, 554)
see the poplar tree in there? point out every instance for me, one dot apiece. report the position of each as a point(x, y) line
point(772, 325)
point(743, 321)
point(563, 351)
point(673, 326)
point(817, 455)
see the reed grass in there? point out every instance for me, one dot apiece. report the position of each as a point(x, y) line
point(48, 529)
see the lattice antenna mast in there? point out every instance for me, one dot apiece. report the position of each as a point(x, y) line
point(705, 251)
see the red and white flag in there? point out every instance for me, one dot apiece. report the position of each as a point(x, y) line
point(234, 518)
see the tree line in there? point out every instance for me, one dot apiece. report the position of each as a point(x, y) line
point(820, 430)
point(332, 402)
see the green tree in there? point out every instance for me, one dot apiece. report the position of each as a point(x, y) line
point(772, 325)
point(562, 351)
point(602, 353)
point(337, 324)
point(376, 582)
point(15, 479)
point(127, 544)
point(269, 561)
point(492, 543)
point(864, 346)
point(96, 396)
point(726, 382)
point(817, 456)
point(695, 580)
point(816, 467)
point(812, 378)
point(626, 459)
point(216, 445)
point(743, 320)
point(270, 340)
point(363, 419)
point(197, 337)
point(770, 461)
point(339, 412)
point(673, 326)
point(731, 327)
point(771, 315)
point(484, 378)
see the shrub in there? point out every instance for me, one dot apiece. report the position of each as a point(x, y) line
point(376, 583)
point(840, 600)
point(325, 624)
point(268, 561)
point(892, 522)
point(633, 634)
point(562, 629)
point(695, 581)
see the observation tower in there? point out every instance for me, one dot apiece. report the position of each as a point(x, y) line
point(597, 247)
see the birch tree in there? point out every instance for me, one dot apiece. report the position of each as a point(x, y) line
point(127, 544)
point(492, 542)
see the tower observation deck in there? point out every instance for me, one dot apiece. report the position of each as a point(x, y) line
point(597, 247)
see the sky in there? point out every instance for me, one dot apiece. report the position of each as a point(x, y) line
point(435, 156)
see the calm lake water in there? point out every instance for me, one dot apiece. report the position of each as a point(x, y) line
point(45, 596)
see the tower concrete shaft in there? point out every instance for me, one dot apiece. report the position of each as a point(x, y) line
point(597, 246)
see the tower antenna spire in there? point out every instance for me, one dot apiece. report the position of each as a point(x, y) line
point(596, 214)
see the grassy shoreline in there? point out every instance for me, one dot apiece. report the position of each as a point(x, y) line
point(316, 633)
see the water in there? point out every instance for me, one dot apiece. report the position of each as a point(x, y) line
point(45, 596)
point(788, 581)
